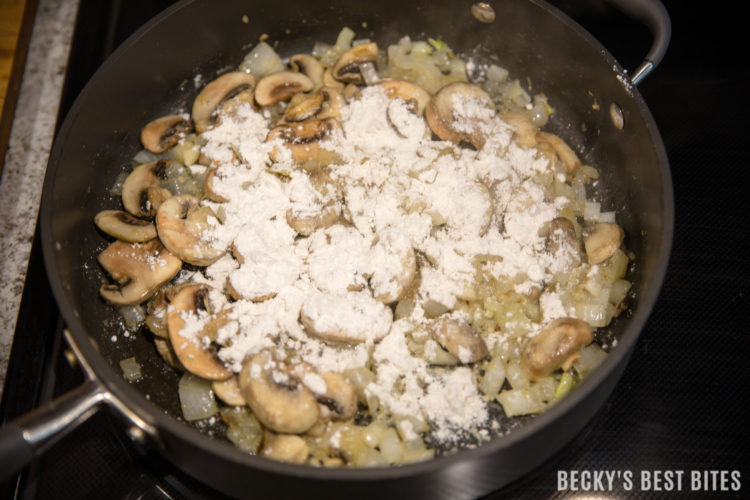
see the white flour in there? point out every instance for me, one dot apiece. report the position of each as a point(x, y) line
point(393, 185)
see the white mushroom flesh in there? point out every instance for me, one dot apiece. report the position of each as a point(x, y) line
point(138, 269)
point(182, 225)
point(555, 347)
point(280, 401)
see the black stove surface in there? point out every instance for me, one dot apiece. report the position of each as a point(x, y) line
point(679, 405)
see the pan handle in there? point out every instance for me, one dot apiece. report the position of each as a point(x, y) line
point(654, 15)
point(32, 433)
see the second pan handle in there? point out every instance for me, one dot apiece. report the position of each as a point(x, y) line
point(654, 15)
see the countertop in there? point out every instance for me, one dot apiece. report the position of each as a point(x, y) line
point(28, 148)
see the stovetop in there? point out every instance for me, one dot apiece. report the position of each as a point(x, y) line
point(678, 405)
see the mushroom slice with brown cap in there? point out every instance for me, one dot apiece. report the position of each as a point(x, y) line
point(566, 154)
point(556, 346)
point(303, 139)
point(325, 103)
point(279, 400)
point(233, 85)
point(330, 81)
point(181, 222)
point(284, 447)
point(125, 227)
point(350, 318)
point(340, 398)
point(281, 86)
point(142, 191)
point(306, 223)
point(394, 266)
point(139, 270)
point(229, 391)
point(562, 241)
point(187, 318)
point(208, 187)
point(601, 241)
point(333, 391)
point(156, 319)
point(347, 68)
point(525, 130)
point(414, 95)
point(459, 339)
point(309, 66)
point(459, 112)
point(161, 134)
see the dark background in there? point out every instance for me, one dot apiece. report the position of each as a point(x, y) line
point(680, 403)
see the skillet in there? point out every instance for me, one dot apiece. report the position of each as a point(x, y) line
point(151, 74)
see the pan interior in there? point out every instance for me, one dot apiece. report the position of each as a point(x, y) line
point(154, 72)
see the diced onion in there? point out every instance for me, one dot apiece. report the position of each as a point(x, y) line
point(369, 74)
point(131, 370)
point(391, 446)
point(516, 377)
point(243, 430)
point(262, 61)
point(496, 73)
point(116, 189)
point(196, 398)
point(144, 156)
point(607, 217)
point(132, 316)
point(619, 291)
point(519, 402)
point(591, 356)
point(494, 377)
point(344, 39)
point(591, 211)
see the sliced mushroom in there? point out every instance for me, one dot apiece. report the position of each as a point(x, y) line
point(303, 139)
point(229, 391)
point(330, 81)
point(459, 112)
point(306, 223)
point(566, 154)
point(562, 241)
point(556, 346)
point(156, 319)
point(125, 227)
point(208, 187)
point(280, 401)
point(459, 339)
point(161, 134)
point(340, 398)
point(325, 103)
point(333, 391)
point(347, 69)
point(309, 66)
point(190, 304)
point(234, 85)
point(395, 266)
point(164, 348)
point(350, 318)
point(601, 241)
point(281, 86)
point(284, 447)
point(139, 270)
point(142, 191)
point(524, 129)
point(414, 95)
point(181, 222)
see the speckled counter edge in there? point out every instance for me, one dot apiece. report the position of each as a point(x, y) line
point(28, 150)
